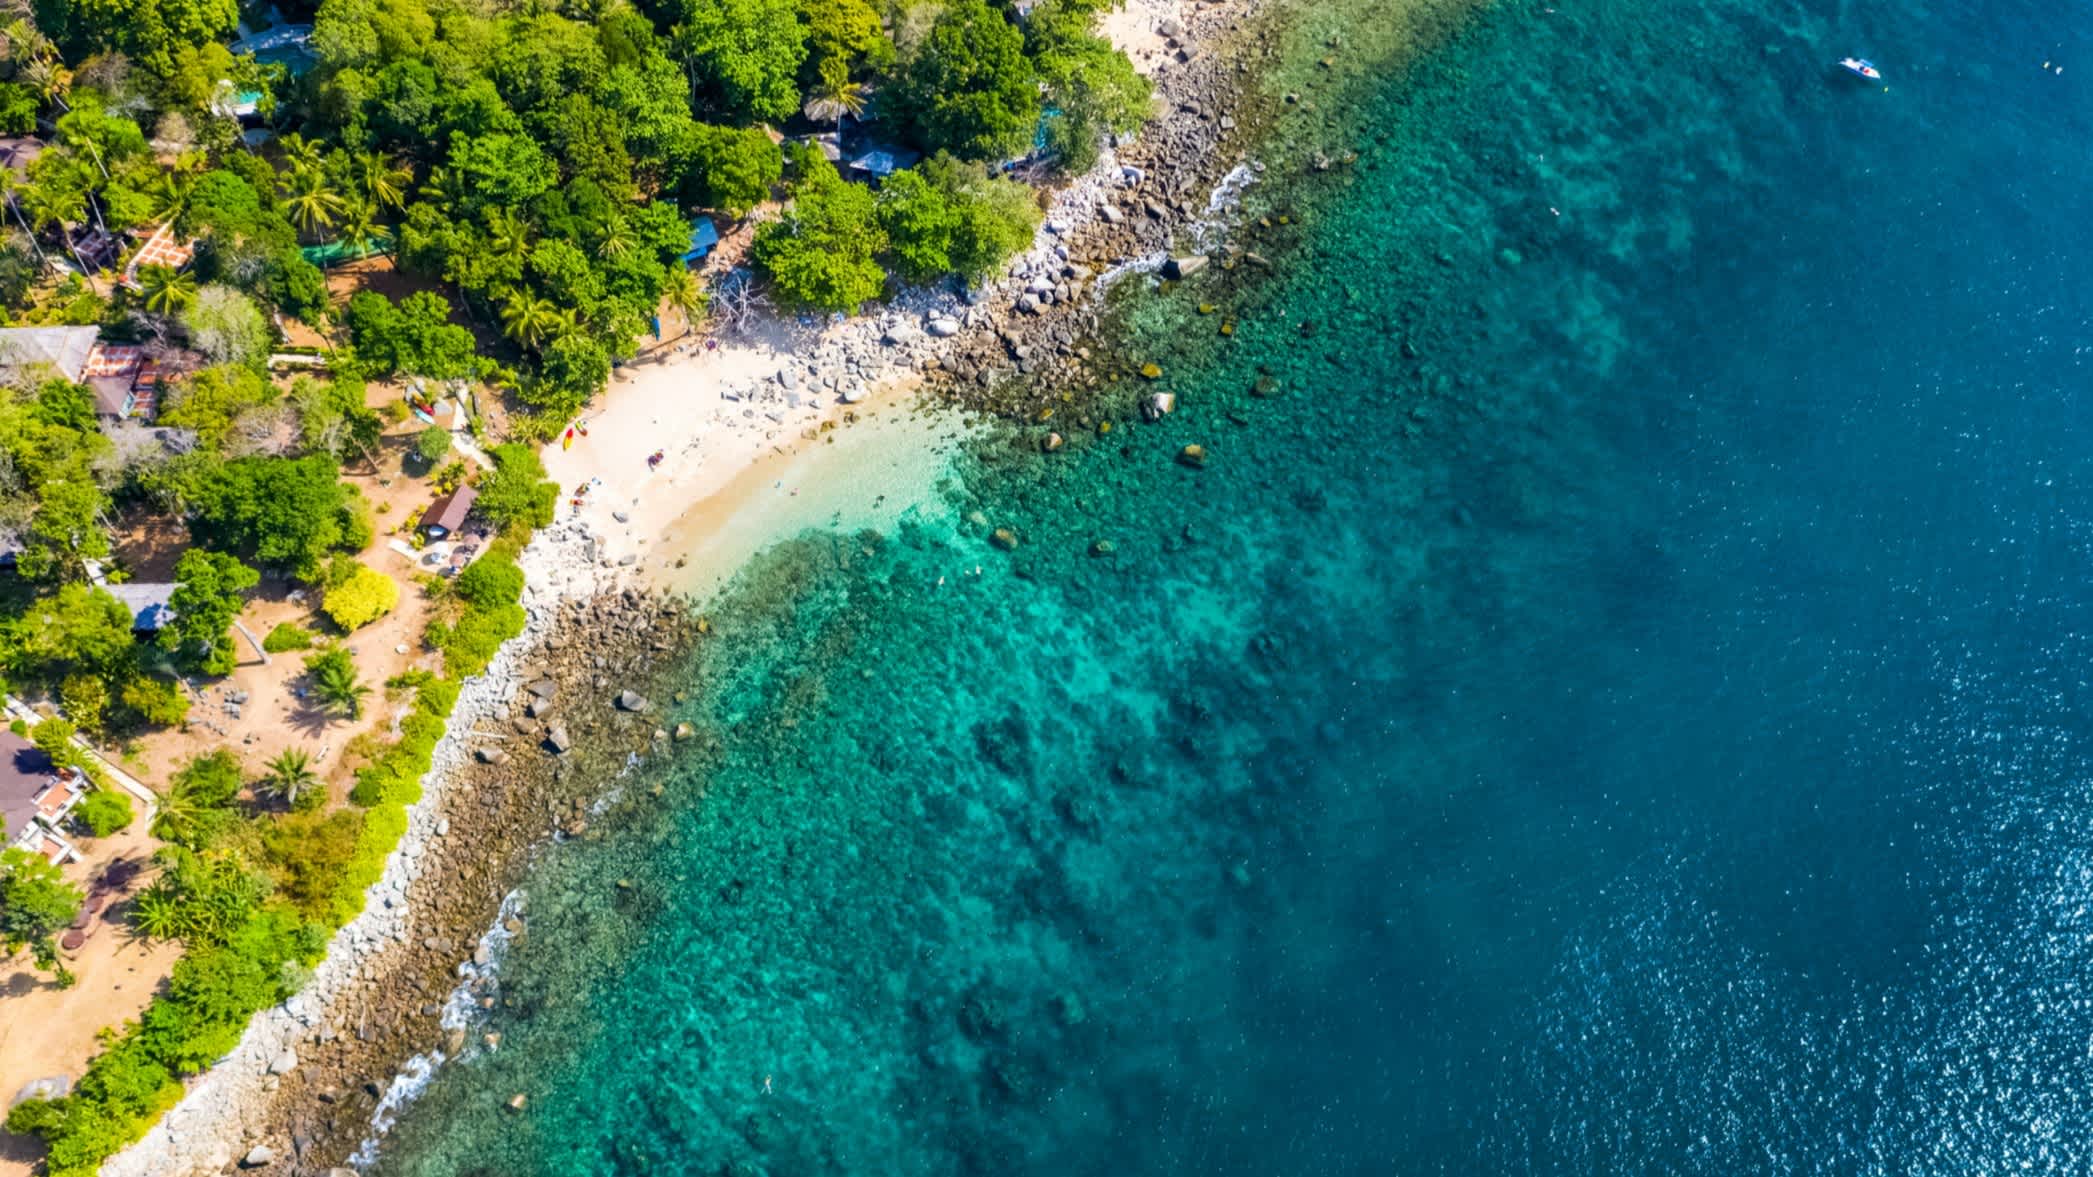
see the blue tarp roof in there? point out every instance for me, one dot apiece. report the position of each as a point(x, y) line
point(703, 236)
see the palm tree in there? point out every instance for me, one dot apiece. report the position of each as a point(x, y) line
point(313, 205)
point(39, 65)
point(60, 205)
point(529, 319)
point(359, 223)
point(8, 184)
point(290, 776)
point(300, 154)
point(445, 188)
point(335, 685)
point(835, 95)
point(157, 914)
point(682, 294)
point(170, 195)
point(383, 181)
point(614, 239)
point(508, 231)
point(167, 290)
point(180, 817)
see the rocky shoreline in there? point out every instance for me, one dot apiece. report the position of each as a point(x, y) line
point(299, 1093)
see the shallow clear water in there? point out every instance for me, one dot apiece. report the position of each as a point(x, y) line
point(1636, 727)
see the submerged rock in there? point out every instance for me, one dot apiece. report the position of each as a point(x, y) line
point(1052, 442)
point(1159, 405)
point(1004, 538)
point(1193, 456)
point(1178, 269)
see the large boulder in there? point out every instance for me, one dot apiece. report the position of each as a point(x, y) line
point(284, 1063)
point(633, 701)
point(492, 756)
point(258, 1156)
point(1178, 269)
point(557, 739)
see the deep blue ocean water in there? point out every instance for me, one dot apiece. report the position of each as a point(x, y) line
point(1614, 701)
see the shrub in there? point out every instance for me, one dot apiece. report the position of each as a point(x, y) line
point(477, 636)
point(104, 812)
point(362, 597)
point(286, 637)
point(516, 490)
point(156, 701)
point(491, 581)
point(431, 444)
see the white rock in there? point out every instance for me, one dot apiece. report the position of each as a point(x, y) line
point(944, 328)
point(283, 1064)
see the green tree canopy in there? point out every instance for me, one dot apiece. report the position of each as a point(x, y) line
point(414, 335)
point(820, 253)
point(213, 400)
point(291, 512)
point(78, 629)
point(149, 31)
point(732, 170)
point(210, 589)
point(748, 52)
point(35, 902)
point(969, 89)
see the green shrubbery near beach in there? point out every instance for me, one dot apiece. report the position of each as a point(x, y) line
point(254, 897)
point(254, 894)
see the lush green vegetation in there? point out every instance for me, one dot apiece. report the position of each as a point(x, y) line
point(360, 596)
point(35, 903)
point(104, 812)
point(538, 165)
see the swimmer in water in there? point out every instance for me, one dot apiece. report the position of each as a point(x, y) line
point(766, 1084)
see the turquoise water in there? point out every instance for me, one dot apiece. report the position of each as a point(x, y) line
point(1613, 705)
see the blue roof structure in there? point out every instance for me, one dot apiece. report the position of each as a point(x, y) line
point(703, 236)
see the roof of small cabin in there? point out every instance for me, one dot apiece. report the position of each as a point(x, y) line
point(149, 603)
point(64, 348)
point(24, 772)
point(19, 151)
point(449, 512)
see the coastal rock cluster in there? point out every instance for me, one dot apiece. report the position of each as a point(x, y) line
point(1123, 218)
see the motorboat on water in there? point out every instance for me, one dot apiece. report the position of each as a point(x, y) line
point(1861, 67)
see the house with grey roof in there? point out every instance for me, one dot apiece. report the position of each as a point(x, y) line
point(150, 604)
point(35, 797)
